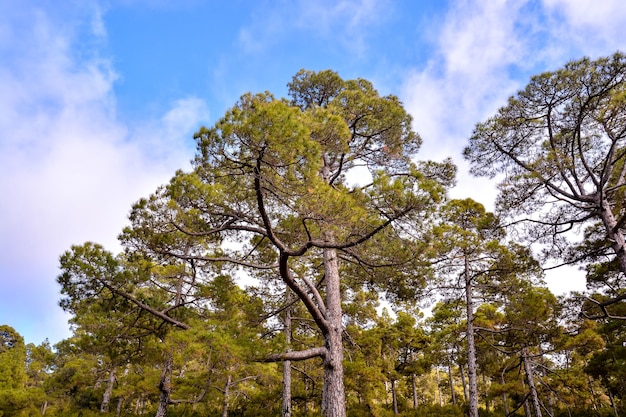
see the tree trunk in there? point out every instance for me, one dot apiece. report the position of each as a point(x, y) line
point(333, 393)
point(108, 391)
point(614, 234)
point(471, 344)
point(439, 388)
point(44, 407)
point(487, 404)
point(451, 381)
point(118, 409)
point(165, 386)
point(505, 399)
point(613, 403)
point(463, 382)
point(531, 383)
point(394, 397)
point(229, 380)
point(286, 406)
point(414, 383)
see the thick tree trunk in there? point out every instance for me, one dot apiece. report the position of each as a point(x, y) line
point(165, 387)
point(286, 406)
point(530, 379)
point(108, 391)
point(614, 234)
point(471, 344)
point(333, 393)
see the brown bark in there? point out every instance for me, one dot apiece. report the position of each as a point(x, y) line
point(333, 393)
point(226, 393)
point(451, 382)
point(108, 391)
point(394, 397)
point(165, 387)
point(465, 393)
point(286, 404)
point(414, 384)
point(530, 379)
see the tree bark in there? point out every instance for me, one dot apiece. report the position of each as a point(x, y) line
point(487, 404)
point(394, 397)
point(471, 344)
point(505, 399)
point(286, 405)
point(531, 383)
point(414, 383)
point(165, 386)
point(451, 382)
point(333, 393)
point(463, 382)
point(229, 380)
point(439, 388)
point(614, 233)
point(108, 391)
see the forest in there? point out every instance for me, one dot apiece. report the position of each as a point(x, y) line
point(267, 281)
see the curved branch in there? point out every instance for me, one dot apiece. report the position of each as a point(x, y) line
point(296, 355)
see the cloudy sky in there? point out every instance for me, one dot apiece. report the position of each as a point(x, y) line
point(99, 99)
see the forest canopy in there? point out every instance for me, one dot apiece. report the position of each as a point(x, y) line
point(264, 282)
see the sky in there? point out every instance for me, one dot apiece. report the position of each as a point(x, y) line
point(99, 100)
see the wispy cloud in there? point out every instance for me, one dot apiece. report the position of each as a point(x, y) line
point(345, 22)
point(483, 53)
point(480, 52)
point(70, 169)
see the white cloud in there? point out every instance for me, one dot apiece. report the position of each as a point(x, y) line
point(484, 52)
point(70, 170)
point(466, 80)
point(594, 26)
point(345, 21)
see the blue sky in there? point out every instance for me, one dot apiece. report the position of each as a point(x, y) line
point(99, 99)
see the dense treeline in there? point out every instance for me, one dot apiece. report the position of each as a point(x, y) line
point(264, 282)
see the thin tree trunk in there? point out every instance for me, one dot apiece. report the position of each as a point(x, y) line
point(463, 382)
point(471, 344)
point(439, 388)
point(108, 391)
point(394, 397)
point(531, 383)
point(118, 409)
point(527, 411)
point(613, 403)
point(487, 405)
point(165, 386)
point(286, 406)
point(44, 407)
point(226, 395)
point(333, 393)
point(414, 383)
point(451, 382)
point(505, 399)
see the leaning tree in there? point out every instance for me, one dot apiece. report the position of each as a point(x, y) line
point(559, 147)
point(269, 194)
